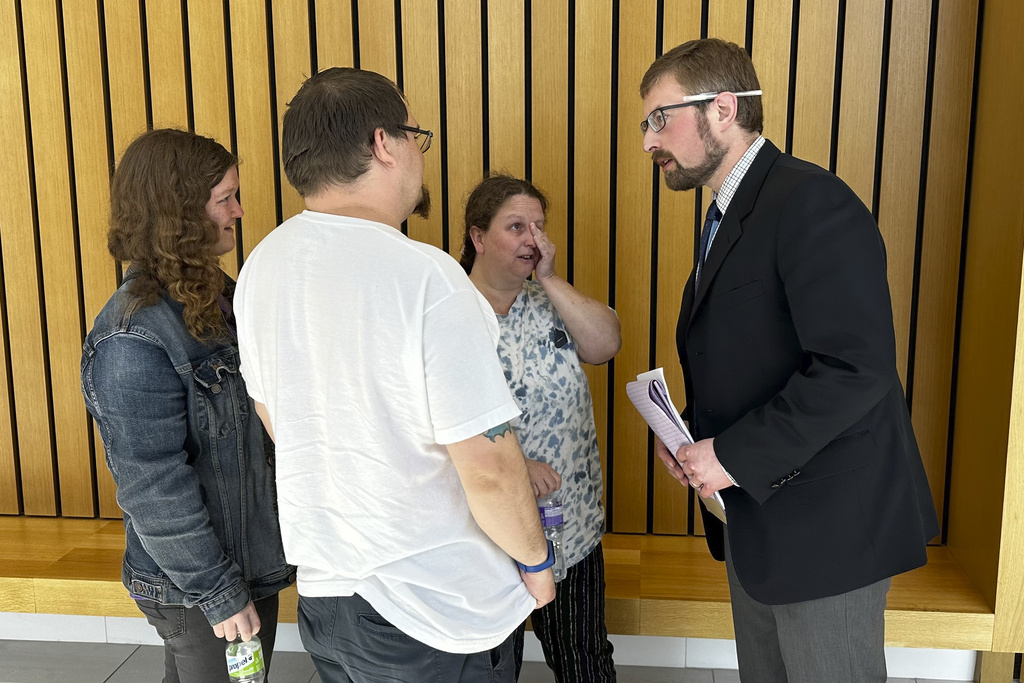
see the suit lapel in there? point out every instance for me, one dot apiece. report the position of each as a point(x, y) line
point(731, 228)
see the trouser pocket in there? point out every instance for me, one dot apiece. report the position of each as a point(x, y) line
point(168, 620)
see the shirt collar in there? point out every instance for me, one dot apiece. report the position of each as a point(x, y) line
point(732, 181)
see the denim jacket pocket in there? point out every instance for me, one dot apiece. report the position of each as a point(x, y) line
point(219, 406)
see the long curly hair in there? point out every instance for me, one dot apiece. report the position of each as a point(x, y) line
point(158, 222)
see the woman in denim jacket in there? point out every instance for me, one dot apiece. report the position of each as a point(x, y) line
point(192, 463)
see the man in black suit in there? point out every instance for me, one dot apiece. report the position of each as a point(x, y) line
point(786, 341)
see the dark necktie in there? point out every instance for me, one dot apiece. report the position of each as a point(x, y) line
point(714, 216)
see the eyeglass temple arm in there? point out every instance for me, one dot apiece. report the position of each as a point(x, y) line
point(712, 95)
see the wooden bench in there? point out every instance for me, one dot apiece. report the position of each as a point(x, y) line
point(656, 585)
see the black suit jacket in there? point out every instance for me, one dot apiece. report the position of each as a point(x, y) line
point(789, 356)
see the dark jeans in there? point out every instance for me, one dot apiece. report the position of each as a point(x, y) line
point(192, 653)
point(571, 627)
point(351, 643)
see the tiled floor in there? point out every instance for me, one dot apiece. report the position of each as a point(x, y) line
point(49, 662)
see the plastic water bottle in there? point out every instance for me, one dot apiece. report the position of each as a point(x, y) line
point(245, 661)
point(551, 519)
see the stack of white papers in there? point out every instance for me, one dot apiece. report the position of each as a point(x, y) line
point(649, 394)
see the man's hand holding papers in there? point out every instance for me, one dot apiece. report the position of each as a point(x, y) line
point(695, 464)
point(690, 461)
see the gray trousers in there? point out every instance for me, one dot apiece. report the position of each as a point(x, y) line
point(192, 653)
point(351, 643)
point(839, 639)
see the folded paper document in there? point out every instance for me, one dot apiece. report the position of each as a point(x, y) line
point(649, 394)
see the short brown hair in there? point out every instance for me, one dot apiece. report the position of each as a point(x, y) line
point(328, 128)
point(158, 221)
point(711, 65)
point(485, 201)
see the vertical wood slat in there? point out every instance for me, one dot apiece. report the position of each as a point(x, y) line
point(815, 81)
point(728, 20)
point(126, 81)
point(211, 111)
point(125, 76)
point(463, 75)
point(253, 121)
point(377, 37)
point(20, 288)
point(422, 89)
point(550, 117)
point(166, 47)
point(901, 159)
point(858, 115)
point(943, 226)
point(633, 208)
point(592, 183)
point(56, 245)
point(675, 261)
point(506, 86)
point(770, 53)
point(333, 34)
point(292, 66)
point(92, 182)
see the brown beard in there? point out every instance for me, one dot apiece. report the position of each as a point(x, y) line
point(423, 205)
point(686, 178)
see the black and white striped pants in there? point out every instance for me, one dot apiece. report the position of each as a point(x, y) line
point(571, 627)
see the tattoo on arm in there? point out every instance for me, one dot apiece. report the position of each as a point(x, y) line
point(494, 432)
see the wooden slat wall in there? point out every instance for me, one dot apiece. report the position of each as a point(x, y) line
point(592, 136)
point(506, 87)
point(942, 234)
point(632, 249)
point(541, 88)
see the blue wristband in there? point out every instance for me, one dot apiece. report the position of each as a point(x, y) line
point(543, 565)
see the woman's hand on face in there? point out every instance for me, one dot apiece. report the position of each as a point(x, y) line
point(544, 479)
point(546, 264)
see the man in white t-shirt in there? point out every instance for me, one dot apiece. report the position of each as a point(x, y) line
point(404, 498)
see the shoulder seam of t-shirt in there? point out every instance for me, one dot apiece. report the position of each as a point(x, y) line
point(452, 291)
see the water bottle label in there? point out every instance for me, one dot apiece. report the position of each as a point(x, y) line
point(241, 666)
point(551, 515)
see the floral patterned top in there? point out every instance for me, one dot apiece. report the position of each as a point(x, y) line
point(556, 427)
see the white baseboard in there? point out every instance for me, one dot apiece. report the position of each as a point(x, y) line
point(695, 653)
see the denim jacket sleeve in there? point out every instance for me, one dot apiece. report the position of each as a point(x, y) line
point(141, 406)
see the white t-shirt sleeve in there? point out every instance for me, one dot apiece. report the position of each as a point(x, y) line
point(246, 343)
point(466, 389)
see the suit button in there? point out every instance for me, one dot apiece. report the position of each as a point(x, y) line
point(708, 412)
point(776, 484)
point(698, 353)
